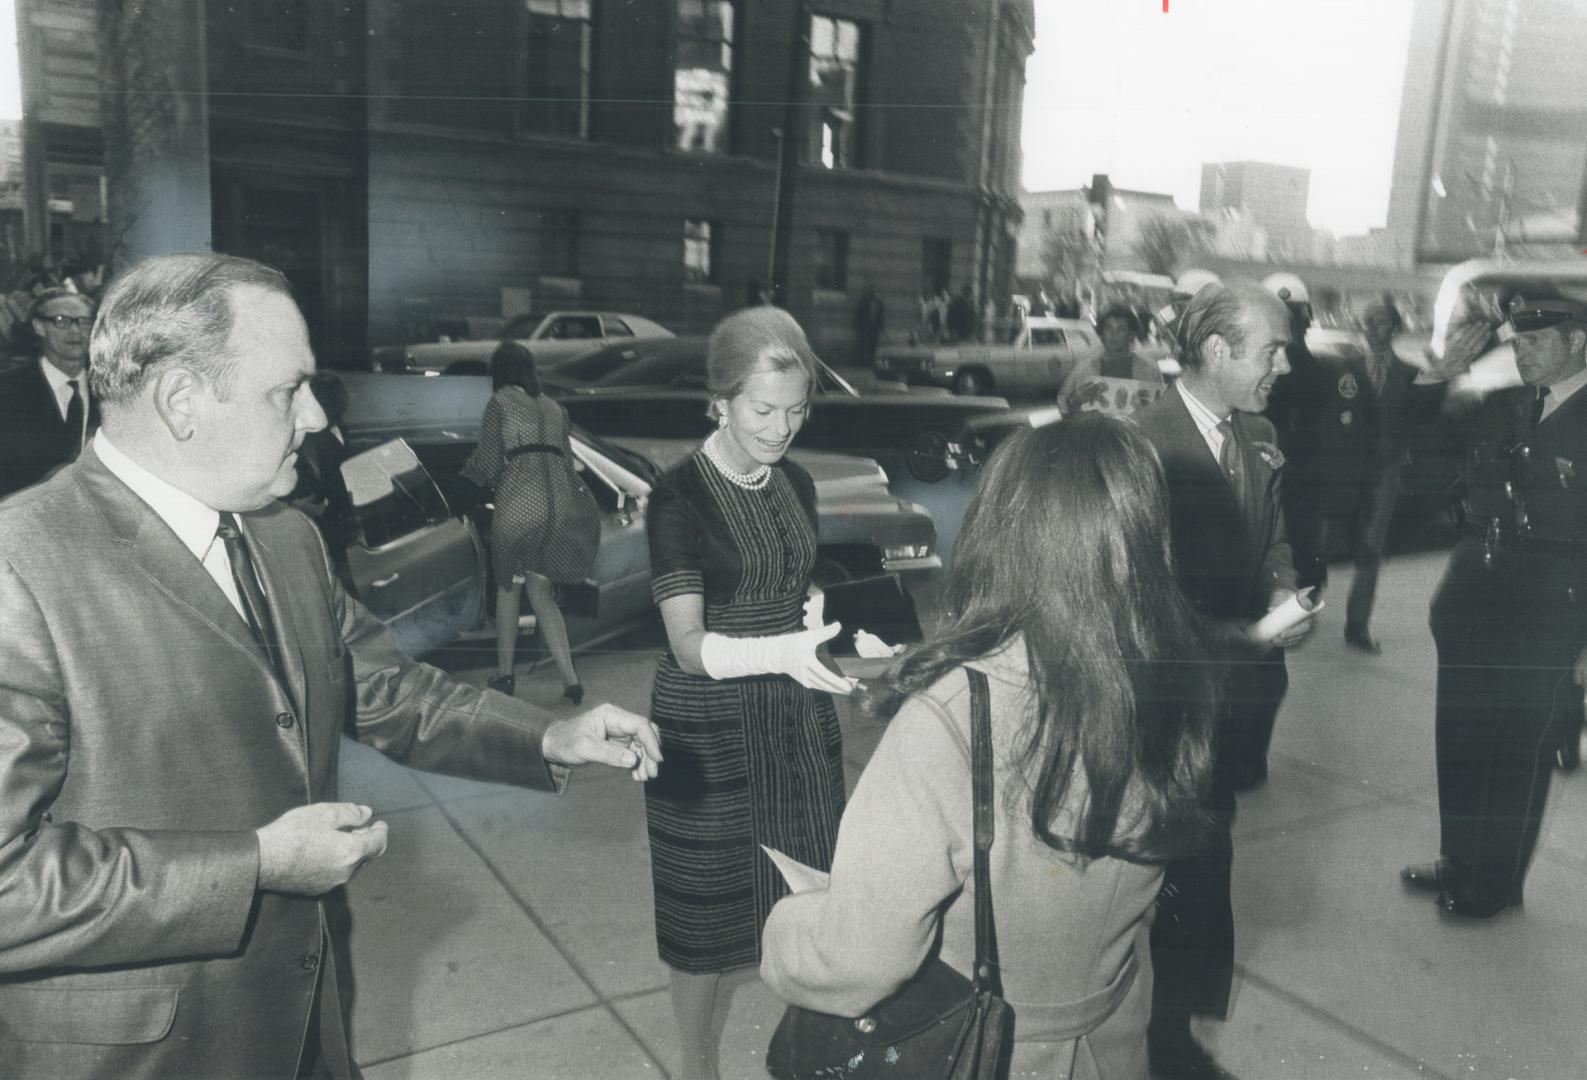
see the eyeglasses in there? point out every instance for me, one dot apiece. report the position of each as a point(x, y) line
point(61, 322)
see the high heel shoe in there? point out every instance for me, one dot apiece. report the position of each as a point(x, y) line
point(574, 693)
point(505, 684)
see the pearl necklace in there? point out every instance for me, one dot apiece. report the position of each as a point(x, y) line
point(750, 481)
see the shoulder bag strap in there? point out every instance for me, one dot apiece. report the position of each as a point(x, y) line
point(985, 977)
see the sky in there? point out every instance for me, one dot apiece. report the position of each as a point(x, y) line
point(10, 81)
point(1119, 87)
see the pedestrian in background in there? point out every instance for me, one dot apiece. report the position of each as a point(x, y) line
point(1083, 385)
point(1385, 386)
point(741, 696)
point(546, 527)
point(1101, 696)
point(1510, 615)
point(1234, 562)
point(48, 411)
point(870, 322)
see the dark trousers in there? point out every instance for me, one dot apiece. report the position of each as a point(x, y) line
point(1192, 938)
point(1507, 636)
point(1374, 512)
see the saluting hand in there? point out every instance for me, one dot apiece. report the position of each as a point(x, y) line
point(605, 735)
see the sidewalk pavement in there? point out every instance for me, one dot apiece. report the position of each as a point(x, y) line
point(509, 934)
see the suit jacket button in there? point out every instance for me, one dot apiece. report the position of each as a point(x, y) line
point(309, 963)
point(284, 720)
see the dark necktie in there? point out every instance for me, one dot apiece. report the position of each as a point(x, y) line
point(255, 610)
point(74, 413)
point(1232, 460)
point(1537, 406)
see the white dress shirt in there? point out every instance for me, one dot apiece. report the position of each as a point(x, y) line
point(193, 523)
point(60, 385)
point(1206, 420)
point(1560, 391)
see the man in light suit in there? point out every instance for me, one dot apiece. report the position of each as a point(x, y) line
point(1234, 563)
point(47, 412)
point(179, 667)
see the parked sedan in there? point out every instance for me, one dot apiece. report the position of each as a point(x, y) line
point(554, 339)
point(1033, 365)
point(418, 560)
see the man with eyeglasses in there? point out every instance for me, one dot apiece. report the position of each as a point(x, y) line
point(47, 412)
point(1510, 616)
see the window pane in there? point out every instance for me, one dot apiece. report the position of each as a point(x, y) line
point(617, 328)
point(834, 90)
point(832, 259)
point(702, 78)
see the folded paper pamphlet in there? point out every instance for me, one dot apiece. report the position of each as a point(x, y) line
point(800, 878)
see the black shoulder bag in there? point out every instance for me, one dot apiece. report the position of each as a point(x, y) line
point(940, 1024)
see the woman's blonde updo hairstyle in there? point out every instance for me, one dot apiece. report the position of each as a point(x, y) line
point(750, 341)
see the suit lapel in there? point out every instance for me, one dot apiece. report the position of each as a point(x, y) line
point(163, 558)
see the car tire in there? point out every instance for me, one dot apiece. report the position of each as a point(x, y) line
point(972, 383)
point(928, 457)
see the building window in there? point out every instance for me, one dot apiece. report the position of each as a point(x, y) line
point(836, 50)
point(557, 68)
point(701, 245)
point(936, 263)
point(559, 243)
point(702, 75)
point(832, 259)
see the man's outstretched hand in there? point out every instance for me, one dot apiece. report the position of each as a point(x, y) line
point(605, 735)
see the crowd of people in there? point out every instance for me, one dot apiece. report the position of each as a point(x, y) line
point(181, 661)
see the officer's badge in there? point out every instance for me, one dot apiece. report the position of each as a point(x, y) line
point(1347, 418)
point(1272, 455)
point(1348, 387)
point(1566, 468)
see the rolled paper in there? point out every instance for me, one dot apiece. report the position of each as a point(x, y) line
point(1286, 616)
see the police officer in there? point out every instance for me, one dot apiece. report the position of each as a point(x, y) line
point(1510, 617)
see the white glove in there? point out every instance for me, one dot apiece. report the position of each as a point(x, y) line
point(793, 655)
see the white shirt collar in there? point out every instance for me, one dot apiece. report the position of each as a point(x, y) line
point(193, 523)
point(58, 380)
point(1563, 389)
point(1204, 417)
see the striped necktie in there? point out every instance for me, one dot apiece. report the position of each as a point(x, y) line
point(1232, 460)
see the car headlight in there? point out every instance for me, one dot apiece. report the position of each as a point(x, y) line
point(906, 551)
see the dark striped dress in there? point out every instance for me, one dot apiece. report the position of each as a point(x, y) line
point(750, 761)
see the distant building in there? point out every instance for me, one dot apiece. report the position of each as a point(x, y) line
point(416, 167)
point(1274, 197)
point(1116, 229)
point(1491, 155)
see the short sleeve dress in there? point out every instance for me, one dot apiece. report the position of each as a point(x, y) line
point(546, 520)
point(749, 761)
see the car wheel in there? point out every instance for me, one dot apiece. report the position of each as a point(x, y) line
point(927, 458)
point(972, 383)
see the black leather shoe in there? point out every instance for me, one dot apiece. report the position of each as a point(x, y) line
point(574, 693)
point(1361, 639)
point(504, 684)
point(1172, 1059)
point(1471, 901)
point(1430, 877)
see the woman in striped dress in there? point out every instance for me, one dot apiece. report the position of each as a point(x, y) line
point(741, 696)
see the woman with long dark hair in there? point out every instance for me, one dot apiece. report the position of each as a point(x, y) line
point(1101, 711)
point(546, 526)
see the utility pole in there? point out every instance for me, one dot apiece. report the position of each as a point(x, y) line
point(790, 150)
